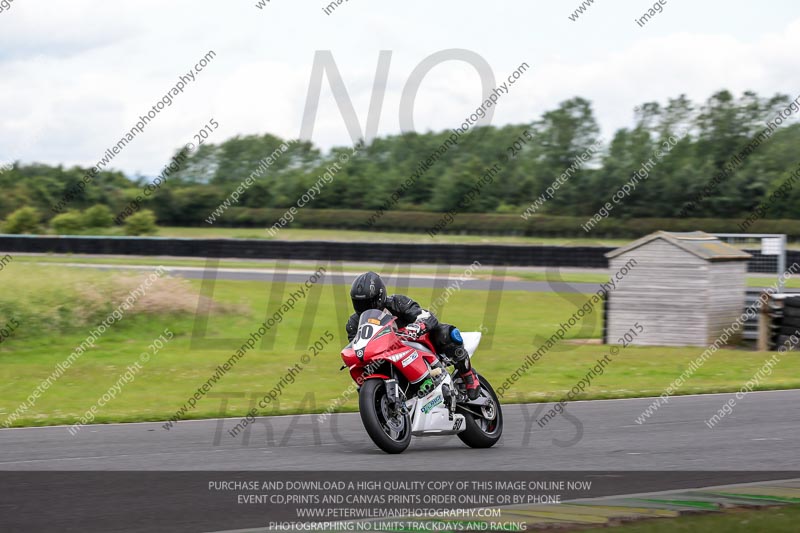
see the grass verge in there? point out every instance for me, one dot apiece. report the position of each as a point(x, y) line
point(774, 520)
point(290, 234)
point(30, 354)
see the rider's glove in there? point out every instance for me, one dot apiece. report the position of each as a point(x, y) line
point(416, 329)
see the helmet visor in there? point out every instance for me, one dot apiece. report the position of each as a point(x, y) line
point(364, 304)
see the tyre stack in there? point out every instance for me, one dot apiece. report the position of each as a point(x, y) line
point(789, 323)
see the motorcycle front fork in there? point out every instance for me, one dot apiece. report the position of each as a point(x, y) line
point(392, 392)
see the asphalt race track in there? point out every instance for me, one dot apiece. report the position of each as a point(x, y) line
point(673, 450)
point(762, 434)
point(396, 282)
point(417, 281)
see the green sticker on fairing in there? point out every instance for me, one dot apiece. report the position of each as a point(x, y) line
point(431, 404)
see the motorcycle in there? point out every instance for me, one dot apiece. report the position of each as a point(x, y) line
point(406, 390)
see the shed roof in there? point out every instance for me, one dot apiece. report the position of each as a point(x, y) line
point(698, 243)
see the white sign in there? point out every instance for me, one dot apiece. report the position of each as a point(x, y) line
point(771, 246)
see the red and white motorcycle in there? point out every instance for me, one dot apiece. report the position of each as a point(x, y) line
point(406, 390)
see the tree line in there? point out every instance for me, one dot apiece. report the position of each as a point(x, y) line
point(702, 138)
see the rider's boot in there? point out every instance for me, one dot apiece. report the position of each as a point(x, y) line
point(469, 376)
point(457, 352)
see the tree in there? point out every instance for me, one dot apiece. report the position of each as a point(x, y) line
point(69, 223)
point(564, 135)
point(453, 194)
point(23, 220)
point(98, 216)
point(141, 223)
point(430, 171)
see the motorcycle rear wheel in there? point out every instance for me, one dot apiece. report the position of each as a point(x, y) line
point(480, 432)
point(391, 432)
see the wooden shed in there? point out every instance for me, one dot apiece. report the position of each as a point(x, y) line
point(684, 289)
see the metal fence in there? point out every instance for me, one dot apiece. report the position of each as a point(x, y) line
point(768, 251)
point(455, 254)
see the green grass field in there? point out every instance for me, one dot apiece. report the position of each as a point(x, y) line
point(773, 520)
point(377, 236)
point(57, 307)
point(288, 234)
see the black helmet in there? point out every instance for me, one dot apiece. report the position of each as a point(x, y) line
point(368, 292)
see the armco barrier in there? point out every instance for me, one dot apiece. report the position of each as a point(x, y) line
point(463, 254)
point(488, 254)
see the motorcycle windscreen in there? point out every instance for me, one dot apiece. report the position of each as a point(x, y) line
point(371, 322)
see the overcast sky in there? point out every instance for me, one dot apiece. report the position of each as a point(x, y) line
point(75, 76)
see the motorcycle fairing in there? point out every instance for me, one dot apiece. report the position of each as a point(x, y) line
point(471, 341)
point(373, 331)
point(430, 414)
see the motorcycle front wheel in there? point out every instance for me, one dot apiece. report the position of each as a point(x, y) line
point(389, 430)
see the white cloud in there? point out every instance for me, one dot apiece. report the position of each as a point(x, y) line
point(75, 76)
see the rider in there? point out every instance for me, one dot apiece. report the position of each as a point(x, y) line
point(369, 292)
